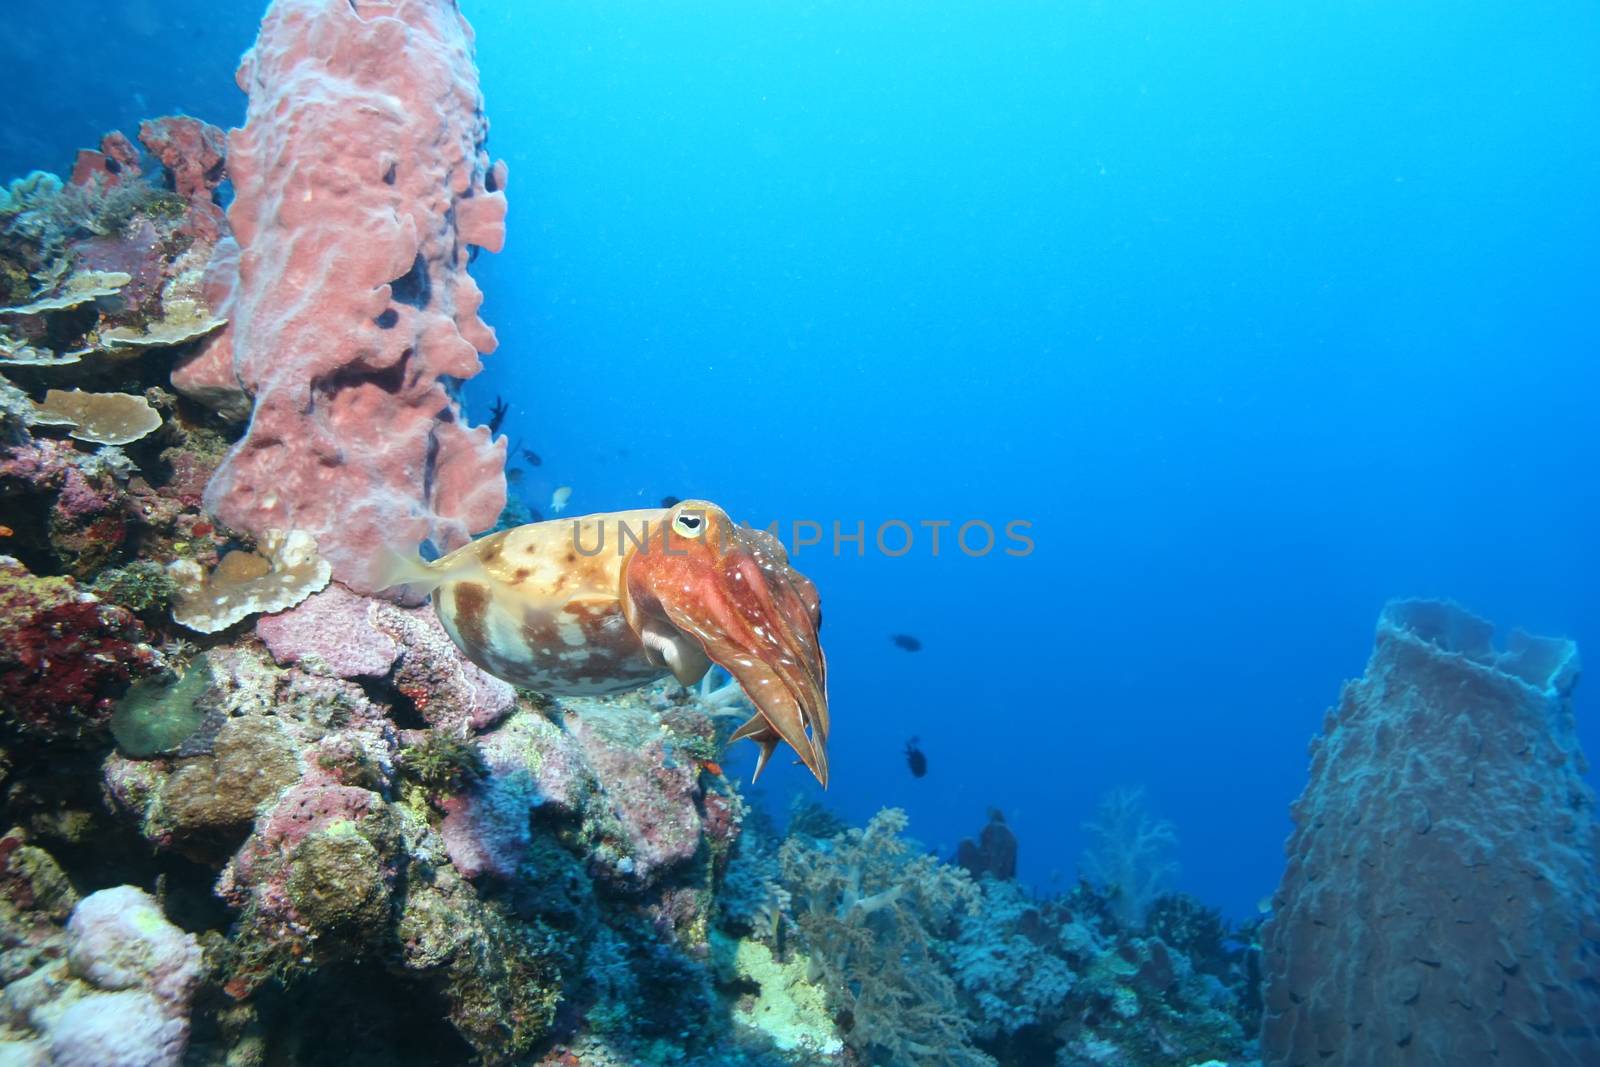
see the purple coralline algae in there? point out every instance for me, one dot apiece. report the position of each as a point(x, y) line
point(351, 636)
point(64, 654)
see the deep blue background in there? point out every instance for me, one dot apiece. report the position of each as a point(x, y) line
point(1261, 315)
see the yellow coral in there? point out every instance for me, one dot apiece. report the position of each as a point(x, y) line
point(790, 1009)
point(283, 571)
point(80, 289)
point(99, 418)
point(182, 320)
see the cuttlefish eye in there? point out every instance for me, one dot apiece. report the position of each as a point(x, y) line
point(689, 523)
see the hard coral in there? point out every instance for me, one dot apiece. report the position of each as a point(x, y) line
point(102, 418)
point(79, 288)
point(873, 911)
point(347, 635)
point(642, 811)
point(360, 121)
point(157, 715)
point(281, 573)
point(120, 997)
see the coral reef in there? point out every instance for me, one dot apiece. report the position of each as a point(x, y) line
point(348, 347)
point(496, 859)
point(351, 636)
point(1129, 854)
point(379, 850)
point(1442, 901)
point(107, 263)
point(917, 963)
point(283, 571)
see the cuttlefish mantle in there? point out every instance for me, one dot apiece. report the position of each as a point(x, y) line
point(608, 602)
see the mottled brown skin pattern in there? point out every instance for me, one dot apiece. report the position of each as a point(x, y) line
point(605, 603)
point(543, 609)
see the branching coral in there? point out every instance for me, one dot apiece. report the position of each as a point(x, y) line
point(1131, 853)
point(1005, 963)
point(873, 912)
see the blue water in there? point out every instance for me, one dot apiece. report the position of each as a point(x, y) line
point(1260, 315)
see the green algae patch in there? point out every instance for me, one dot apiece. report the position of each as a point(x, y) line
point(157, 716)
point(143, 587)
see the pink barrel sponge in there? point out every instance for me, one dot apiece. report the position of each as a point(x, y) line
point(361, 191)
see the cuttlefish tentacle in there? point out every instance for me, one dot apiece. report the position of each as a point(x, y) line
point(608, 602)
point(732, 591)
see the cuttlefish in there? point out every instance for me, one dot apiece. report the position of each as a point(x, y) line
point(605, 603)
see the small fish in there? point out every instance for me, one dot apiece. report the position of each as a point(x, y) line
point(711, 767)
point(514, 475)
point(6, 531)
point(559, 498)
point(670, 501)
point(532, 458)
point(907, 642)
point(915, 759)
point(497, 415)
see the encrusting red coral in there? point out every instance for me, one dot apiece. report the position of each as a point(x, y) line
point(117, 161)
point(192, 151)
point(341, 633)
point(64, 655)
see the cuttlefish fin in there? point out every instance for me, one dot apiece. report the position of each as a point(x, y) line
point(396, 568)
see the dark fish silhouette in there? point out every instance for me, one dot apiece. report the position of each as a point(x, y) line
point(907, 642)
point(514, 475)
point(532, 457)
point(497, 415)
point(670, 501)
point(915, 759)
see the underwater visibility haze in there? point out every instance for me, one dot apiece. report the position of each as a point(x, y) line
point(1175, 429)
